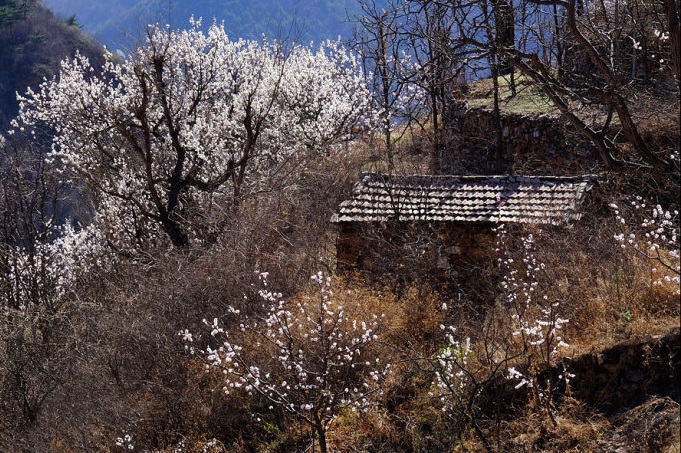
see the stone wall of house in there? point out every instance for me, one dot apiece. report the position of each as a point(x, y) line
point(413, 247)
point(532, 144)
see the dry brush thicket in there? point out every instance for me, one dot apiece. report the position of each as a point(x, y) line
point(106, 361)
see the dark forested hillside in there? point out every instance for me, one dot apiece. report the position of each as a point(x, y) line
point(32, 43)
point(302, 20)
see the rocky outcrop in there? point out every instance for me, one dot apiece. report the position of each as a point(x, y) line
point(610, 381)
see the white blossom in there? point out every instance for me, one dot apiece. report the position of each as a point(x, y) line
point(656, 240)
point(193, 119)
point(318, 368)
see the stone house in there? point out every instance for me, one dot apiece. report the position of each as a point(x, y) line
point(438, 224)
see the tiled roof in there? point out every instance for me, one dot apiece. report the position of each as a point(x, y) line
point(504, 199)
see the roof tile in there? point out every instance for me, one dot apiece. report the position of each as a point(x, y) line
point(509, 199)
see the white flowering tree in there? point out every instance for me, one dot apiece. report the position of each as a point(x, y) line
point(44, 272)
point(41, 253)
point(192, 121)
point(42, 261)
point(308, 357)
point(536, 322)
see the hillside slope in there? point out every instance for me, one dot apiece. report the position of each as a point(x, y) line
point(31, 49)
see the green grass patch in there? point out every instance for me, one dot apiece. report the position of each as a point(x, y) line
point(527, 99)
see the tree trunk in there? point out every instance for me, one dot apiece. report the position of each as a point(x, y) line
point(498, 130)
point(504, 34)
point(321, 433)
point(610, 95)
point(672, 12)
point(177, 236)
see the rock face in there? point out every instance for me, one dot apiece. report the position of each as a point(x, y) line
point(31, 48)
point(625, 399)
point(610, 382)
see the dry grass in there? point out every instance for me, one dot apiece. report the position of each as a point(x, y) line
point(609, 297)
point(625, 305)
point(606, 293)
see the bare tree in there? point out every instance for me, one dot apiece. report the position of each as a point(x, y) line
point(604, 47)
point(380, 41)
point(33, 362)
point(438, 34)
point(591, 59)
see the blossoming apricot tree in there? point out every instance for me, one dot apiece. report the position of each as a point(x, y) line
point(520, 339)
point(656, 238)
point(191, 121)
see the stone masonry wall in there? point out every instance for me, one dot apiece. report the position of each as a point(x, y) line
point(532, 144)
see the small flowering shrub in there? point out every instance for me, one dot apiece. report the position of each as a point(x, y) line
point(519, 338)
point(653, 233)
point(308, 357)
point(452, 375)
point(536, 322)
point(125, 442)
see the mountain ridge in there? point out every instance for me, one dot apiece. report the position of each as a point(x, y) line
point(302, 21)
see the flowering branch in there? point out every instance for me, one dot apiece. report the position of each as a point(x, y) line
point(657, 239)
